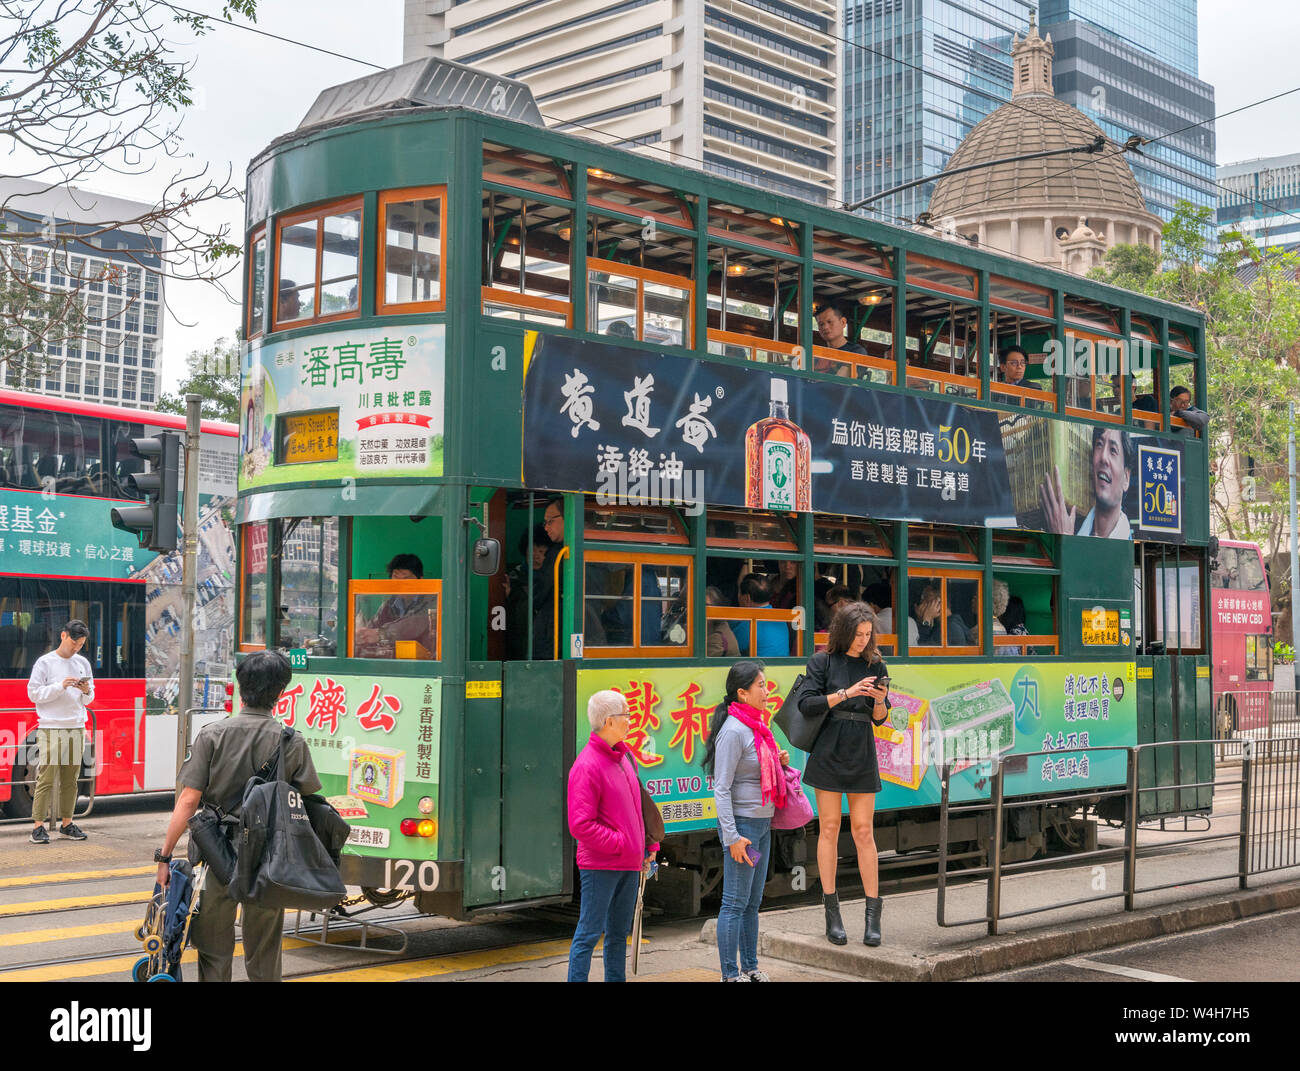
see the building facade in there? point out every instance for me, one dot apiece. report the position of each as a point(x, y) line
point(1262, 200)
point(116, 275)
point(748, 90)
point(919, 74)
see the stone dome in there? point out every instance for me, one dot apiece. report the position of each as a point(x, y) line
point(1038, 208)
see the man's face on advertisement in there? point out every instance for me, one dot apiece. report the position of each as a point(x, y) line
point(1110, 477)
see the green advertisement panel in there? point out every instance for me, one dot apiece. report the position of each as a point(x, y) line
point(961, 715)
point(65, 535)
point(348, 403)
point(375, 743)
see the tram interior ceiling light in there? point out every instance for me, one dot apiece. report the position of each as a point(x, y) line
point(870, 299)
point(737, 269)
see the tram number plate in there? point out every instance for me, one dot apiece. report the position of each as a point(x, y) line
point(407, 875)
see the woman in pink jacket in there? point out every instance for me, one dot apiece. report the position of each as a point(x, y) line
point(605, 820)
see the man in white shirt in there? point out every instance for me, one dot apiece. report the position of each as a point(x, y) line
point(61, 687)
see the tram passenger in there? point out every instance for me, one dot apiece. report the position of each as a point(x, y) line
point(926, 613)
point(849, 684)
point(1013, 620)
point(773, 636)
point(516, 585)
point(604, 803)
point(833, 326)
point(1180, 405)
point(879, 598)
point(748, 786)
point(1013, 363)
point(288, 303)
point(401, 617)
point(785, 586)
point(544, 592)
point(721, 641)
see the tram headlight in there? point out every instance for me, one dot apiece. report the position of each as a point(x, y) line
point(426, 805)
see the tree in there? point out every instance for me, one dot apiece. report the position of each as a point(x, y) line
point(1252, 367)
point(88, 86)
point(213, 373)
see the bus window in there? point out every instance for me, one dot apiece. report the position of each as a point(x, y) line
point(636, 604)
point(253, 588)
point(1259, 658)
point(124, 462)
point(411, 227)
point(398, 619)
point(308, 578)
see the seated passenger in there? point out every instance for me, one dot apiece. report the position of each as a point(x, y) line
point(401, 617)
point(1145, 403)
point(773, 636)
point(928, 629)
point(880, 598)
point(721, 640)
point(833, 325)
point(1013, 621)
point(1013, 362)
point(1180, 405)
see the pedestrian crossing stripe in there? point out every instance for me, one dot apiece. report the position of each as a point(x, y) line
point(410, 970)
point(42, 907)
point(36, 937)
point(77, 875)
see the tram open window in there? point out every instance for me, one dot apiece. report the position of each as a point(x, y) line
point(865, 308)
point(868, 582)
point(1145, 405)
point(524, 170)
point(629, 302)
point(753, 305)
point(307, 583)
point(942, 345)
point(395, 619)
point(412, 224)
point(526, 257)
point(941, 543)
point(254, 585)
point(258, 251)
point(1013, 329)
point(1096, 390)
point(635, 197)
point(1182, 373)
point(632, 524)
point(1024, 608)
point(742, 543)
point(636, 605)
point(947, 607)
point(318, 265)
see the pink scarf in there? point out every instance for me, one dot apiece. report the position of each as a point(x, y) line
point(771, 777)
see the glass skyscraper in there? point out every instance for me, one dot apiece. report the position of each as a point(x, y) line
point(919, 74)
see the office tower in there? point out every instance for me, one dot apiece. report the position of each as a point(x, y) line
point(58, 247)
point(741, 88)
point(1262, 200)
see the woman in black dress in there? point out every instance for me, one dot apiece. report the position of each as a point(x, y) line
point(851, 682)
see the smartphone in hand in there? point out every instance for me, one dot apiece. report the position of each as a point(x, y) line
point(752, 855)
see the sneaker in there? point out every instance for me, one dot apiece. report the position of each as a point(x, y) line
point(738, 978)
point(71, 831)
point(39, 836)
point(758, 976)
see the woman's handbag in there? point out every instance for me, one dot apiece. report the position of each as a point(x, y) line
point(651, 817)
point(797, 811)
point(800, 729)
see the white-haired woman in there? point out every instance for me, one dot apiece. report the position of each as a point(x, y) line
point(605, 819)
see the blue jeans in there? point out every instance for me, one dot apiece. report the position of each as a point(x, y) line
point(742, 892)
point(608, 905)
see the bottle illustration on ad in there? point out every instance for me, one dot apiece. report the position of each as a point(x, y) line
point(778, 459)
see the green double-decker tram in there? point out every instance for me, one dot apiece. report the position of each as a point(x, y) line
point(525, 417)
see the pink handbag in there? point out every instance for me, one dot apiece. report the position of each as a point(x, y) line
point(797, 811)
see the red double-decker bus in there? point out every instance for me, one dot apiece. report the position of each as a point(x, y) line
point(1241, 626)
point(63, 466)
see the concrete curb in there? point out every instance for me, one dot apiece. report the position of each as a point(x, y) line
point(1008, 953)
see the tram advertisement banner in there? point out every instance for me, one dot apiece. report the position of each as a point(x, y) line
point(356, 402)
point(375, 743)
point(636, 426)
point(963, 715)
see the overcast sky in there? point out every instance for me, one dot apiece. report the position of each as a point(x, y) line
point(252, 89)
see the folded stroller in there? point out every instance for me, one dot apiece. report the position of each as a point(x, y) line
point(166, 929)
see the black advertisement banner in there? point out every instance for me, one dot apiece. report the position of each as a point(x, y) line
point(634, 426)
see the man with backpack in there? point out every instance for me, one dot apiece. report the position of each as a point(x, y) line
point(225, 755)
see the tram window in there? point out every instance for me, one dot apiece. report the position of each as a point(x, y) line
point(866, 349)
point(937, 541)
point(628, 523)
point(524, 170)
point(1022, 548)
point(1015, 295)
point(1097, 393)
point(395, 619)
point(412, 224)
point(875, 585)
point(258, 249)
point(526, 256)
point(318, 264)
point(848, 535)
point(637, 198)
point(942, 345)
point(754, 296)
point(753, 227)
point(749, 531)
point(630, 302)
point(308, 578)
point(940, 275)
point(1085, 313)
point(636, 603)
point(1012, 330)
point(1176, 593)
point(254, 586)
point(1182, 373)
point(1024, 604)
point(947, 609)
point(1145, 406)
point(840, 251)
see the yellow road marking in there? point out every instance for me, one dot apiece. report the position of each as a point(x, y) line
point(45, 906)
point(32, 937)
point(78, 875)
point(62, 972)
point(460, 961)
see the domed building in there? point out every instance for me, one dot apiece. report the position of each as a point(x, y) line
point(1061, 211)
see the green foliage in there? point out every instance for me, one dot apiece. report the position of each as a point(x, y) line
point(1283, 653)
point(213, 373)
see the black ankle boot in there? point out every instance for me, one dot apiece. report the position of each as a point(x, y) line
point(834, 926)
point(872, 936)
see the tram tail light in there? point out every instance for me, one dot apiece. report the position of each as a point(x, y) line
point(230, 698)
point(419, 827)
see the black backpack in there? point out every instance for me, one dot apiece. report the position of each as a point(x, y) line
point(281, 861)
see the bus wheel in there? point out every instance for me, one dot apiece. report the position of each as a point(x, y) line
point(1225, 717)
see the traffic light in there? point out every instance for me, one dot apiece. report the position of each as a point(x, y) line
point(155, 524)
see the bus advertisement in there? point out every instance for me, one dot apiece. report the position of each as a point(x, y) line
point(1242, 634)
point(63, 466)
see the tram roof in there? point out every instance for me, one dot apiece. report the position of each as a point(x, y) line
point(694, 181)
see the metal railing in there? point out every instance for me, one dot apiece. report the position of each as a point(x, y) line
point(1266, 830)
point(1256, 714)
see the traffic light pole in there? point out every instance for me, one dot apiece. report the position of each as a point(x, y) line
point(189, 574)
